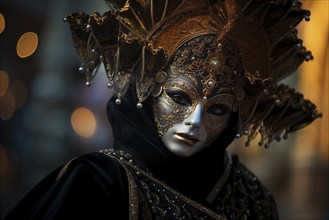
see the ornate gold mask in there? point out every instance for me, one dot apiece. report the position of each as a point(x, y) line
point(203, 71)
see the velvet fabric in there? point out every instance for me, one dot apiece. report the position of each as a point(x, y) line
point(95, 187)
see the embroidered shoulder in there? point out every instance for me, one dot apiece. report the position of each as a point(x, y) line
point(123, 158)
point(165, 202)
point(244, 197)
point(63, 170)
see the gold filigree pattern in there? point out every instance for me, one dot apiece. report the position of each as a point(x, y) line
point(167, 112)
point(165, 202)
point(209, 59)
point(239, 194)
point(177, 35)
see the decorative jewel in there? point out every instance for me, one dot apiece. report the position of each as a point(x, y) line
point(161, 77)
point(210, 83)
point(220, 46)
point(214, 63)
point(139, 105)
point(81, 69)
point(88, 27)
point(109, 85)
point(118, 101)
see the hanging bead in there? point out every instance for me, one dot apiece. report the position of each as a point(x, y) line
point(88, 83)
point(308, 56)
point(139, 105)
point(81, 69)
point(118, 101)
point(88, 27)
point(109, 85)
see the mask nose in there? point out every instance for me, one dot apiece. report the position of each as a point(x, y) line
point(195, 119)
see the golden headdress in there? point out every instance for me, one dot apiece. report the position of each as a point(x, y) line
point(136, 39)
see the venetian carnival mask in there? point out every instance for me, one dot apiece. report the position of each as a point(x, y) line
point(194, 56)
point(198, 95)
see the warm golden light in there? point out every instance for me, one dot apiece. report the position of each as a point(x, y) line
point(83, 122)
point(314, 79)
point(4, 82)
point(19, 90)
point(2, 23)
point(27, 44)
point(7, 106)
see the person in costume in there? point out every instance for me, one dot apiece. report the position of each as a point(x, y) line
point(189, 77)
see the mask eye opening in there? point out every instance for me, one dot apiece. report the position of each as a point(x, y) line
point(180, 97)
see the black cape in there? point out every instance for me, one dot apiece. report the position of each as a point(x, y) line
point(96, 185)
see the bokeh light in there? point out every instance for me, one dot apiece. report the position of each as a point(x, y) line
point(19, 90)
point(83, 122)
point(8, 167)
point(7, 106)
point(4, 82)
point(27, 44)
point(2, 23)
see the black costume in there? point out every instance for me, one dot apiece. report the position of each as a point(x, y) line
point(142, 176)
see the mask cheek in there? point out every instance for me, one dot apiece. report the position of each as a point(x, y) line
point(167, 113)
point(215, 125)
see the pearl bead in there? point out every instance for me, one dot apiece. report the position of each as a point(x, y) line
point(214, 63)
point(210, 83)
point(81, 69)
point(110, 85)
point(118, 101)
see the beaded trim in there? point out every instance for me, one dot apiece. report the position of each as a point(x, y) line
point(126, 160)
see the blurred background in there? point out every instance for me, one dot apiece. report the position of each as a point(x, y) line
point(48, 115)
